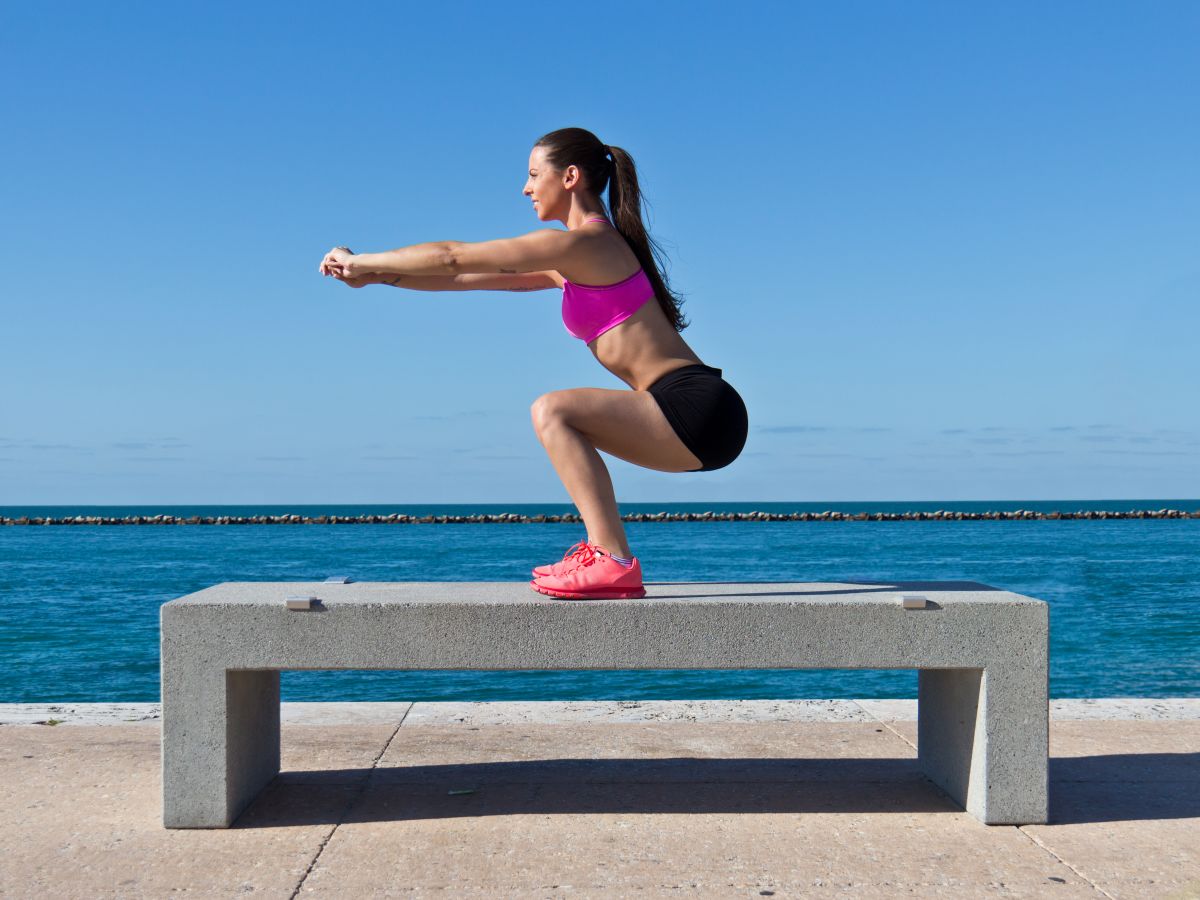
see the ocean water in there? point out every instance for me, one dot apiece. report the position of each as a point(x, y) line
point(79, 605)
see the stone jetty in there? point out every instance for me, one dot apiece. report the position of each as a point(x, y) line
point(398, 518)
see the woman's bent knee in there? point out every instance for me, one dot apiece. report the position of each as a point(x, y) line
point(546, 410)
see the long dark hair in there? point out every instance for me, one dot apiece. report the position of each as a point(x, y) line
point(579, 147)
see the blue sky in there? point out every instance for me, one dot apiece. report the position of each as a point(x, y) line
point(943, 250)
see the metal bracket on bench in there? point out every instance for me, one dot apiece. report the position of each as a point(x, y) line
point(303, 601)
point(913, 601)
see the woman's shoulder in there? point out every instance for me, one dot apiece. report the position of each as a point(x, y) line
point(605, 265)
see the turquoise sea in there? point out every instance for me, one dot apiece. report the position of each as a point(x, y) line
point(79, 605)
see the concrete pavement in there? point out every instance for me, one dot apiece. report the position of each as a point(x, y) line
point(600, 799)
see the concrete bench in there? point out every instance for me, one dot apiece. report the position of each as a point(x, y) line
point(983, 719)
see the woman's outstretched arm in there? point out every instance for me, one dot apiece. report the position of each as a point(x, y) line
point(546, 248)
point(435, 258)
point(522, 281)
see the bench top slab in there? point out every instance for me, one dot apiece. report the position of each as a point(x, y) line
point(675, 593)
point(680, 624)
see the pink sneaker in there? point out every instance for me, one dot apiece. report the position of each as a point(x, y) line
point(595, 575)
point(568, 561)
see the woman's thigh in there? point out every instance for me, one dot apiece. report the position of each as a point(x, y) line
point(629, 425)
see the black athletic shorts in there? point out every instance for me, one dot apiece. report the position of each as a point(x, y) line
point(705, 411)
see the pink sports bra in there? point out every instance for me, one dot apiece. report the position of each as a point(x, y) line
point(589, 310)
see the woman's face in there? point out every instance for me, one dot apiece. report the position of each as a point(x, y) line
point(545, 188)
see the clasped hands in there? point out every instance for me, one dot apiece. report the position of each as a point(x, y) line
point(341, 264)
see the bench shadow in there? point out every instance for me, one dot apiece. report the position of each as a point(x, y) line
point(1124, 787)
point(1088, 789)
point(574, 786)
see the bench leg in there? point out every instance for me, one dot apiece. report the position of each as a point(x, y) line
point(983, 737)
point(220, 743)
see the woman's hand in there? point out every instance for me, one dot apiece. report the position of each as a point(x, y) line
point(339, 262)
point(360, 280)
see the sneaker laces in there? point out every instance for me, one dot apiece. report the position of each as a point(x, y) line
point(585, 557)
point(573, 556)
point(574, 549)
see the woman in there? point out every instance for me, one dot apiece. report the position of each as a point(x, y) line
point(681, 415)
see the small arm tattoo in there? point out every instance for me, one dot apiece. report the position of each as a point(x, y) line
point(524, 289)
point(395, 280)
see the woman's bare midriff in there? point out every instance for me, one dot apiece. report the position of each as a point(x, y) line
point(643, 348)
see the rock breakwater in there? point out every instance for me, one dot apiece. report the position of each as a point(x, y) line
point(398, 518)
